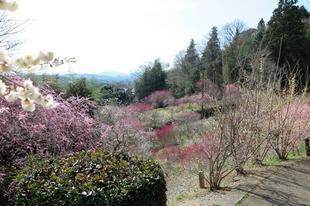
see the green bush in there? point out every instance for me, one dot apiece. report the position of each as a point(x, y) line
point(91, 178)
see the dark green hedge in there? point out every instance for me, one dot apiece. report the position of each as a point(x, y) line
point(92, 178)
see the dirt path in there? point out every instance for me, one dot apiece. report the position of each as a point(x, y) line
point(289, 186)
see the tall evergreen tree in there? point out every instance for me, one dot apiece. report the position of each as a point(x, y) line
point(286, 38)
point(152, 79)
point(261, 29)
point(191, 63)
point(211, 60)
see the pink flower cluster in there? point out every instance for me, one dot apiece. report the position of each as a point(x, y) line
point(210, 88)
point(67, 128)
point(195, 150)
point(165, 131)
point(182, 154)
point(298, 109)
point(140, 107)
point(194, 99)
point(231, 91)
point(205, 150)
point(123, 131)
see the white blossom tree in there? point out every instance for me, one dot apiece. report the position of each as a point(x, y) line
point(25, 91)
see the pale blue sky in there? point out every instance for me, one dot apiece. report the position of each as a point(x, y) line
point(121, 35)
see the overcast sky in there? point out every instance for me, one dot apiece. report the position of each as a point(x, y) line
point(121, 35)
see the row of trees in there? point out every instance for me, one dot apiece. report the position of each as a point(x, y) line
point(227, 58)
point(101, 93)
point(285, 41)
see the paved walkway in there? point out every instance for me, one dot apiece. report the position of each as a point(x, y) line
point(288, 186)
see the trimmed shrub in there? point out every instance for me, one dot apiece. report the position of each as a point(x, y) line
point(67, 128)
point(91, 178)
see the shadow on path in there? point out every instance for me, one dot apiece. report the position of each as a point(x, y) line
point(289, 185)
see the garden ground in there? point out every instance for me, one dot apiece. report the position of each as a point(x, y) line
point(285, 183)
point(289, 185)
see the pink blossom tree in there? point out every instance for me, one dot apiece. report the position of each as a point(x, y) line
point(231, 92)
point(124, 132)
point(210, 157)
point(194, 99)
point(210, 89)
point(161, 98)
point(140, 107)
point(67, 128)
point(288, 127)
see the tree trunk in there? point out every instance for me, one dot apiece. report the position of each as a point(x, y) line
point(307, 143)
point(202, 184)
point(240, 171)
point(202, 94)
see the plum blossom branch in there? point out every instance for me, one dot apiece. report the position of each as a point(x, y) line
point(27, 92)
point(8, 6)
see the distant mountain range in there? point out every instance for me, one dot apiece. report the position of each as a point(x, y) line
point(104, 77)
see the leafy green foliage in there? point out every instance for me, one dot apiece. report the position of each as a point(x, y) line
point(286, 38)
point(116, 95)
point(152, 79)
point(95, 88)
point(78, 88)
point(237, 56)
point(183, 77)
point(181, 88)
point(92, 178)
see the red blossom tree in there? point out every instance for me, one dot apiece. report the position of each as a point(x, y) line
point(211, 157)
point(169, 154)
point(165, 136)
